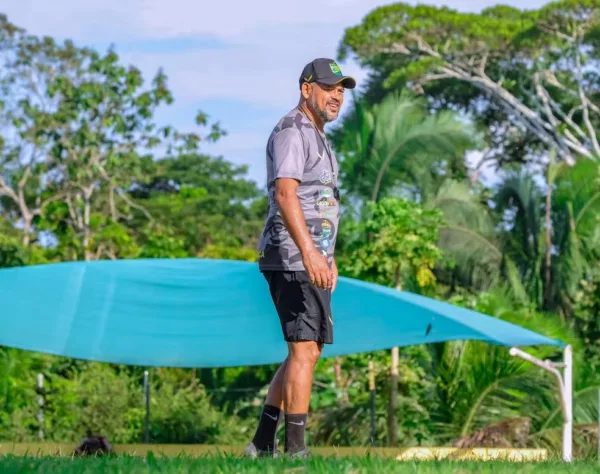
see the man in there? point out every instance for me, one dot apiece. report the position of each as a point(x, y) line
point(296, 249)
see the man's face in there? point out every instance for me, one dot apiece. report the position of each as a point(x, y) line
point(326, 101)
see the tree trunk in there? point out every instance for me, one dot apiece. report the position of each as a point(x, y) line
point(548, 224)
point(18, 197)
point(26, 214)
point(27, 223)
point(393, 399)
point(394, 378)
point(87, 211)
point(548, 275)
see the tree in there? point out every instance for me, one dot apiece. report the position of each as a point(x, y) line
point(540, 242)
point(398, 244)
point(206, 203)
point(586, 312)
point(564, 219)
point(25, 172)
point(472, 251)
point(109, 119)
point(529, 74)
point(12, 254)
point(80, 122)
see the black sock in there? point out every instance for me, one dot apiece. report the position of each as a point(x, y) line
point(264, 439)
point(295, 424)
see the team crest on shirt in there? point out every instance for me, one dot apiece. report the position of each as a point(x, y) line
point(325, 176)
point(325, 229)
point(325, 236)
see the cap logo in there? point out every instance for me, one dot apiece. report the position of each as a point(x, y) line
point(307, 79)
point(335, 69)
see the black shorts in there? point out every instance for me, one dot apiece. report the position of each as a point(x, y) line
point(304, 310)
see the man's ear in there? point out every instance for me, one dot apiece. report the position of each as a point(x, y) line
point(306, 90)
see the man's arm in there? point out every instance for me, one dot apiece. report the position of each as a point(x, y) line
point(293, 218)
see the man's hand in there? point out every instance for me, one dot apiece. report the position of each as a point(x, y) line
point(334, 276)
point(317, 269)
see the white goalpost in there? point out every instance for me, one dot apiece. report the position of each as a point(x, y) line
point(565, 385)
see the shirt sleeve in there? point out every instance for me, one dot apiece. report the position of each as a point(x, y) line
point(288, 154)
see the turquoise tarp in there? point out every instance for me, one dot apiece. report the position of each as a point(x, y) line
point(210, 313)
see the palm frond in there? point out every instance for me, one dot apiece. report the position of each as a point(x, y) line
point(397, 138)
point(515, 283)
point(487, 387)
point(468, 238)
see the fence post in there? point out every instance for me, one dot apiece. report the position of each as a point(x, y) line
point(40, 417)
point(147, 406)
point(372, 390)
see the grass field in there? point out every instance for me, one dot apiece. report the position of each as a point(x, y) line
point(223, 459)
point(226, 464)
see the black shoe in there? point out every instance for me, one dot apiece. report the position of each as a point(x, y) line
point(251, 451)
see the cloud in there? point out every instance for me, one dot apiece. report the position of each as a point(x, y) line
point(93, 20)
point(177, 44)
point(242, 59)
point(262, 67)
point(80, 20)
point(230, 18)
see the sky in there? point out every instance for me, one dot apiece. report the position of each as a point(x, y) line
point(236, 60)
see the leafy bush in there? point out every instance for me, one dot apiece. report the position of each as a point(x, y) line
point(185, 415)
point(108, 400)
point(12, 253)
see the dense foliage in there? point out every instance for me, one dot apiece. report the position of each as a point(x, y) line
point(86, 173)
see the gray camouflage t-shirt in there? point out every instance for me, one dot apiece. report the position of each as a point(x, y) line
point(296, 149)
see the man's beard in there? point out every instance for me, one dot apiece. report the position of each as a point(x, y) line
point(321, 113)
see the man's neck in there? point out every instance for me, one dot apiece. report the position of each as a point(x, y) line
point(314, 119)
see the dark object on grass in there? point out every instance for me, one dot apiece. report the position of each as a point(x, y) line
point(511, 433)
point(93, 446)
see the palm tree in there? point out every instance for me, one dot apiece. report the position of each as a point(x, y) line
point(479, 385)
point(398, 147)
point(540, 244)
point(576, 229)
point(552, 239)
point(467, 238)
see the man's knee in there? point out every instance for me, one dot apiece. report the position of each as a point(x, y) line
point(306, 352)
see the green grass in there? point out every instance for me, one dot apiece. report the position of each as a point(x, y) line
point(227, 464)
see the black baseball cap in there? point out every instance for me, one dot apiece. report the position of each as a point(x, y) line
point(326, 71)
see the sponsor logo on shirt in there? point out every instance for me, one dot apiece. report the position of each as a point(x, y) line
point(325, 176)
point(326, 206)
